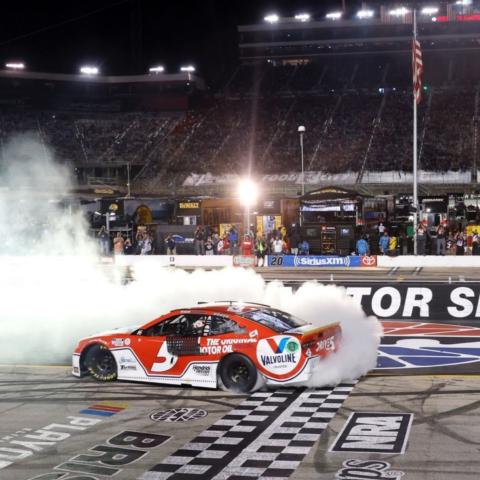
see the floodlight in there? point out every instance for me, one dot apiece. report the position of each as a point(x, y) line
point(302, 17)
point(365, 14)
point(89, 70)
point(157, 69)
point(301, 129)
point(463, 2)
point(187, 68)
point(247, 192)
point(429, 10)
point(334, 15)
point(272, 18)
point(15, 65)
point(399, 12)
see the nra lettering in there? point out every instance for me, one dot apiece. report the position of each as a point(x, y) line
point(374, 433)
point(188, 205)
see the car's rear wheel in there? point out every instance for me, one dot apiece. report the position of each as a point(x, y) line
point(100, 363)
point(238, 373)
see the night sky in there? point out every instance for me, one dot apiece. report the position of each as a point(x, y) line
point(128, 36)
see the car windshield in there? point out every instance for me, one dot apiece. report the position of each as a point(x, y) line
point(274, 319)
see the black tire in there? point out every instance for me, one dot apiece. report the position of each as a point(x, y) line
point(238, 373)
point(101, 364)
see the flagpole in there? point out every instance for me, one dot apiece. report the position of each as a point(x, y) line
point(415, 182)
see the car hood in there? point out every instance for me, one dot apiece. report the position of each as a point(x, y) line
point(116, 331)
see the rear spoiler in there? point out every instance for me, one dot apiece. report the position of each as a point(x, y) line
point(315, 332)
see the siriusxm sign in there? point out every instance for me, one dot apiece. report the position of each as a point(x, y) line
point(318, 261)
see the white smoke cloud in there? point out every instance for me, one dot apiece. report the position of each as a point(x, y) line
point(49, 302)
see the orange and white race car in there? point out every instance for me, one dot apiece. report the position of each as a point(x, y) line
point(237, 346)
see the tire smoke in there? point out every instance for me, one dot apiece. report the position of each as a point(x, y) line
point(55, 290)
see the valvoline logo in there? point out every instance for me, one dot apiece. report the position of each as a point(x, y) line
point(279, 354)
point(280, 346)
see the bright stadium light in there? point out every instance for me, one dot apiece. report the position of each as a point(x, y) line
point(157, 69)
point(429, 10)
point(365, 14)
point(302, 17)
point(463, 2)
point(272, 18)
point(399, 12)
point(334, 15)
point(247, 192)
point(187, 68)
point(89, 70)
point(15, 65)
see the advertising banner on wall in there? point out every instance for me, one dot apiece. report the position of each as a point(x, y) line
point(417, 301)
point(321, 261)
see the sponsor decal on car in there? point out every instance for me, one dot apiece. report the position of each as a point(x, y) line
point(363, 469)
point(279, 354)
point(202, 370)
point(369, 432)
point(178, 415)
point(118, 342)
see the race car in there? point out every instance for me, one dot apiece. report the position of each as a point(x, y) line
point(236, 346)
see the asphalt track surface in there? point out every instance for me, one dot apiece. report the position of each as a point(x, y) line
point(57, 427)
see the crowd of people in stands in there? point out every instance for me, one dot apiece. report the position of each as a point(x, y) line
point(357, 113)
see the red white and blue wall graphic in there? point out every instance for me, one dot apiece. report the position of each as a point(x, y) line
point(419, 345)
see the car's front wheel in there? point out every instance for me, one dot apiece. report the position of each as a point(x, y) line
point(100, 363)
point(238, 373)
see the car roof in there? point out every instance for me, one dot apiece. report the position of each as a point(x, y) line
point(225, 307)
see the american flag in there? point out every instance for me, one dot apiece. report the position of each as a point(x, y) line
point(417, 66)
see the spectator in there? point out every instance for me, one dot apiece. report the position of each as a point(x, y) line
point(128, 247)
point(233, 240)
point(304, 247)
point(460, 244)
point(146, 248)
point(118, 244)
point(441, 240)
point(392, 245)
point(278, 246)
point(247, 245)
point(475, 243)
point(171, 245)
point(199, 241)
point(209, 246)
point(104, 241)
point(294, 240)
point(383, 243)
point(362, 246)
point(421, 239)
point(260, 250)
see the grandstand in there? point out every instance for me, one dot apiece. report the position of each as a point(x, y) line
point(347, 82)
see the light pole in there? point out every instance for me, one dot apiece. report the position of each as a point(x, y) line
point(247, 193)
point(301, 131)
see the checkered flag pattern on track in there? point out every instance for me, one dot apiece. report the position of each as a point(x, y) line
point(266, 437)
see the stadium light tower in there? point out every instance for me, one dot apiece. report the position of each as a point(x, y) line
point(365, 14)
point(399, 12)
point(156, 69)
point(187, 68)
point(89, 70)
point(301, 131)
point(15, 66)
point(271, 18)
point(247, 193)
point(334, 15)
point(302, 17)
point(429, 10)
